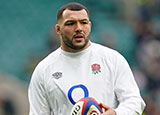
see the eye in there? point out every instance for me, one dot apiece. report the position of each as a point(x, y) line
point(84, 22)
point(69, 23)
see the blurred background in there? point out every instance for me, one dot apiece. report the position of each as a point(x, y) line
point(27, 35)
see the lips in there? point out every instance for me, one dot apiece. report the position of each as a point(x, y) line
point(78, 36)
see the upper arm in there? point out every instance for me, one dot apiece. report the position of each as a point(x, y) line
point(126, 89)
point(37, 94)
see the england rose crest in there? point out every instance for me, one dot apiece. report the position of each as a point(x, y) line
point(96, 68)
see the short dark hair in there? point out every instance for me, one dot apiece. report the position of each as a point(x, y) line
point(71, 6)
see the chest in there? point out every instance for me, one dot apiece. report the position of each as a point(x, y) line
point(75, 79)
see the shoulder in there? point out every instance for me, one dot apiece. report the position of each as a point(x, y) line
point(48, 60)
point(39, 74)
point(109, 56)
point(105, 51)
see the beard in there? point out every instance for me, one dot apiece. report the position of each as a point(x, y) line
point(69, 43)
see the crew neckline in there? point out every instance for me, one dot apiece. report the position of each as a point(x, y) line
point(76, 53)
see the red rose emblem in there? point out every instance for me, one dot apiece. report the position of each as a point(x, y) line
point(96, 68)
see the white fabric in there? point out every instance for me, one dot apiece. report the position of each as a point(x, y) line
point(63, 72)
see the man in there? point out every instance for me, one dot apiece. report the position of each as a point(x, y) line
point(80, 68)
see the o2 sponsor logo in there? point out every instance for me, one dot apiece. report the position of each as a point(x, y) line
point(84, 88)
point(76, 110)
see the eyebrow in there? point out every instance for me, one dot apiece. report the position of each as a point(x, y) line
point(74, 20)
point(85, 20)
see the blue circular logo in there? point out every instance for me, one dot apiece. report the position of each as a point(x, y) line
point(84, 88)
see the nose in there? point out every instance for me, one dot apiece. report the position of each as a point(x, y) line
point(78, 27)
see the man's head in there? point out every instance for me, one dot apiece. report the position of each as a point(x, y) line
point(73, 27)
point(71, 6)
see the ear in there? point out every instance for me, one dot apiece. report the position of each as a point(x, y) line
point(57, 27)
point(90, 25)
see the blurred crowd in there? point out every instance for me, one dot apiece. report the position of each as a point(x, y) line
point(146, 56)
point(13, 96)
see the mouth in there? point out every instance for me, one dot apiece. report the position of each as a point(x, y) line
point(78, 37)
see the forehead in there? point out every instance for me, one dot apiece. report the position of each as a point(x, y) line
point(74, 15)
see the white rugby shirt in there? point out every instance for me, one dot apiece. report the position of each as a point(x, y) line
point(62, 78)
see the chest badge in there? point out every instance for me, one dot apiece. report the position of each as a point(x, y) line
point(96, 68)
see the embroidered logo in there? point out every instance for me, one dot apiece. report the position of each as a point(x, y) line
point(96, 68)
point(57, 75)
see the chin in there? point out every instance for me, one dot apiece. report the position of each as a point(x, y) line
point(80, 46)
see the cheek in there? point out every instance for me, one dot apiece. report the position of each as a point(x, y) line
point(87, 30)
point(68, 31)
